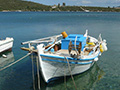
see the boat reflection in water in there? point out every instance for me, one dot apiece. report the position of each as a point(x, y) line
point(83, 81)
point(6, 61)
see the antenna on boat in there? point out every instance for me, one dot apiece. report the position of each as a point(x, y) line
point(86, 33)
point(100, 38)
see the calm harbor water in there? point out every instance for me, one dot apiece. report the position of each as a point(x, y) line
point(24, 26)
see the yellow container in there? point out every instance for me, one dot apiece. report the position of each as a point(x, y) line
point(91, 43)
point(101, 49)
point(64, 34)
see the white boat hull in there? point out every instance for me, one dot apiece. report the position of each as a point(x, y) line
point(6, 44)
point(52, 70)
point(54, 66)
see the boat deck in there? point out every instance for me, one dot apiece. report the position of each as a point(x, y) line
point(64, 52)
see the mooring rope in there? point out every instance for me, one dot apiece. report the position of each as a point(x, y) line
point(33, 72)
point(71, 73)
point(38, 73)
point(65, 78)
point(15, 62)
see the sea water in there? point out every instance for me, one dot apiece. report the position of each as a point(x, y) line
point(24, 26)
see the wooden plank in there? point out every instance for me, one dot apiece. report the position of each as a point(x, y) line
point(28, 49)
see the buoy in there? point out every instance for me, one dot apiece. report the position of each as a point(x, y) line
point(4, 56)
point(64, 34)
point(104, 46)
point(101, 49)
point(96, 59)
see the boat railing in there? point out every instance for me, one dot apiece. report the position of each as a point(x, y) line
point(36, 42)
point(41, 40)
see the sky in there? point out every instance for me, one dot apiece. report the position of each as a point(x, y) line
point(102, 3)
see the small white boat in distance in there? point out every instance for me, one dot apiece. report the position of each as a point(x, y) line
point(86, 10)
point(6, 44)
point(69, 55)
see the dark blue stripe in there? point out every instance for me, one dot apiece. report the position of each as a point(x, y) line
point(82, 63)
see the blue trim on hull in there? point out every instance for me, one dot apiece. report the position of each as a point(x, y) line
point(52, 79)
point(69, 58)
point(82, 63)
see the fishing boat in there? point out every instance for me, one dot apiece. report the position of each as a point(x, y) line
point(64, 54)
point(6, 44)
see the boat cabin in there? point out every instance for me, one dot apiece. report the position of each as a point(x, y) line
point(75, 39)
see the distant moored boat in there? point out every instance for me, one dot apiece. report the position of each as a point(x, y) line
point(6, 44)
